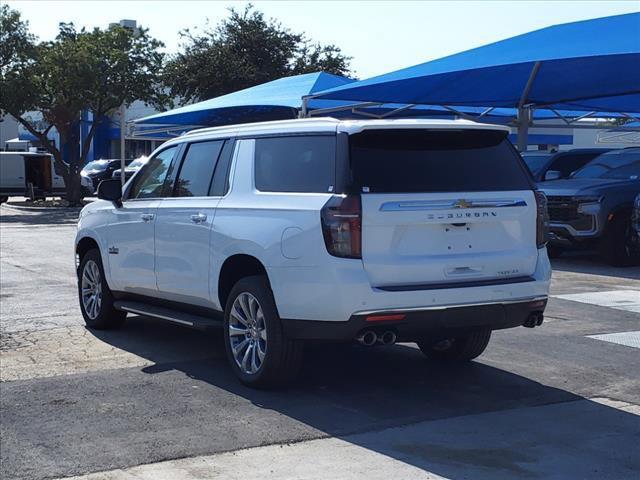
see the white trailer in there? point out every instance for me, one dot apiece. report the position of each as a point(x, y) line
point(31, 174)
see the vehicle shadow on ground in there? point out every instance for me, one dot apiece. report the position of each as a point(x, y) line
point(591, 263)
point(10, 215)
point(346, 389)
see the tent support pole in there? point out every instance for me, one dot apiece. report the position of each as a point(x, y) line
point(304, 110)
point(524, 117)
point(524, 112)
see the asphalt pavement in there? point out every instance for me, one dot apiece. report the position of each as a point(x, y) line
point(154, 400)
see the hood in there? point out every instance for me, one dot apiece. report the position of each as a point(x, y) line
point(581, 186)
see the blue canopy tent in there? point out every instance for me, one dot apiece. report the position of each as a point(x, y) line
point(592, 65)
point(282, 99)
point(275, 100)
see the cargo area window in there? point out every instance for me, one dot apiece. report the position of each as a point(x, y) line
point(304, 164)
point(411, 160)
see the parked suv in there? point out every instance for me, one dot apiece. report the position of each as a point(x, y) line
point(593, 207)
point(285, 232)
point(553, 166)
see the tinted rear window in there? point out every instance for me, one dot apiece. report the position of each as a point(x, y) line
point(403, 161)
point(295, 164)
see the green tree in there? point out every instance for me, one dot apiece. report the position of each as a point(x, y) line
point(94, 71)
point(244, 50)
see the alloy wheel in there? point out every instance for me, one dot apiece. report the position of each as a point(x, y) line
point(247, 333)
point(91, 289)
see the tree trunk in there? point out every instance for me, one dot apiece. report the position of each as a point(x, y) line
point(73, 190)
point(70, 146)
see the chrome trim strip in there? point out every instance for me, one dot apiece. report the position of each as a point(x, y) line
point(457, 305)
point(155, 315)
point(412, 206)
point(578, 233)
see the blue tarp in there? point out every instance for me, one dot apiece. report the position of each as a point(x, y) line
point(587, 65)
point(274, 100)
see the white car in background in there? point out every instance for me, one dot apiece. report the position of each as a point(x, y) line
point(347, 231)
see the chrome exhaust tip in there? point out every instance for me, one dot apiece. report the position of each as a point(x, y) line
point(367, 338)
point(387, 338)
point(535, 319)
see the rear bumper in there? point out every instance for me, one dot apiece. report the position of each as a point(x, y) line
point(414, 323)
point(340, 289)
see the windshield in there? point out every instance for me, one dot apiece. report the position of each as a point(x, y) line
point(138, 162)
point(624, 165)
point(97, 165)
point(535, 161)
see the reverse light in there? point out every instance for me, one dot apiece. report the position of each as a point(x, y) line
point(341, 219)
point(542, 219)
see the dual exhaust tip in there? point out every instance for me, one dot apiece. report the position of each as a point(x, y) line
point(534, 319)
point(369, 338)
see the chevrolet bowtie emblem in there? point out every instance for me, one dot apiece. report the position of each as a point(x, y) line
point(462, 204)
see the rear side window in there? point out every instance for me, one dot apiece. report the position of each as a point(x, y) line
point(197, 169)
point(295, 164)
point(404, 161)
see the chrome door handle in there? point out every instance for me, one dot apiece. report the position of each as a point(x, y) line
point(147, 217)
point(198, 218)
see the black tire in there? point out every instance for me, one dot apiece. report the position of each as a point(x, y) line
point(4, 199)
point(283, 357)
point(617, 245)
point(106, 317)
point(459, 349)
point(554, 251)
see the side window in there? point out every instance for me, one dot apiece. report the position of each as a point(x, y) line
point(149, 182)
point(220, 184)
point(197, 168)
point(295, 164)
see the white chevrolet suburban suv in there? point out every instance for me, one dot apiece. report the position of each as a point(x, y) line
point(284, 232)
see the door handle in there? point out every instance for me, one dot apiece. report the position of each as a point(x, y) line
point(147, 217)
point(198, 218)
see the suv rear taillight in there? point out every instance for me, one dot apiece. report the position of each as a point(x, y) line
point(341, 219)
point(542, 219)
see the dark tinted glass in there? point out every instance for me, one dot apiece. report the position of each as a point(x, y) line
point(535, 161)
point(295, 164)
point(197, 168)
point(220, 184)
point(623, 164)
point(567, 163)
point(435, 161)
point(149, 182)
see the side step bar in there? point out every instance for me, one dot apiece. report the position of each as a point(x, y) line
point(168, 314)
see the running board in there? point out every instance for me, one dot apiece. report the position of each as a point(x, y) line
point(168, 314)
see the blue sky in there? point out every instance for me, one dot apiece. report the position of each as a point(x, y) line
point(380, 35)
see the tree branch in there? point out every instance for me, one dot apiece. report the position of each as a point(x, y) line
point(42, 136)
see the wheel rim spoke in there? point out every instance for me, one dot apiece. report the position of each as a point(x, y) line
point(245, 359)
point(238, 315)
point(235, 331)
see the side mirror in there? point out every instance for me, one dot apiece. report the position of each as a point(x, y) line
point(552, 175)
point(110, 190)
